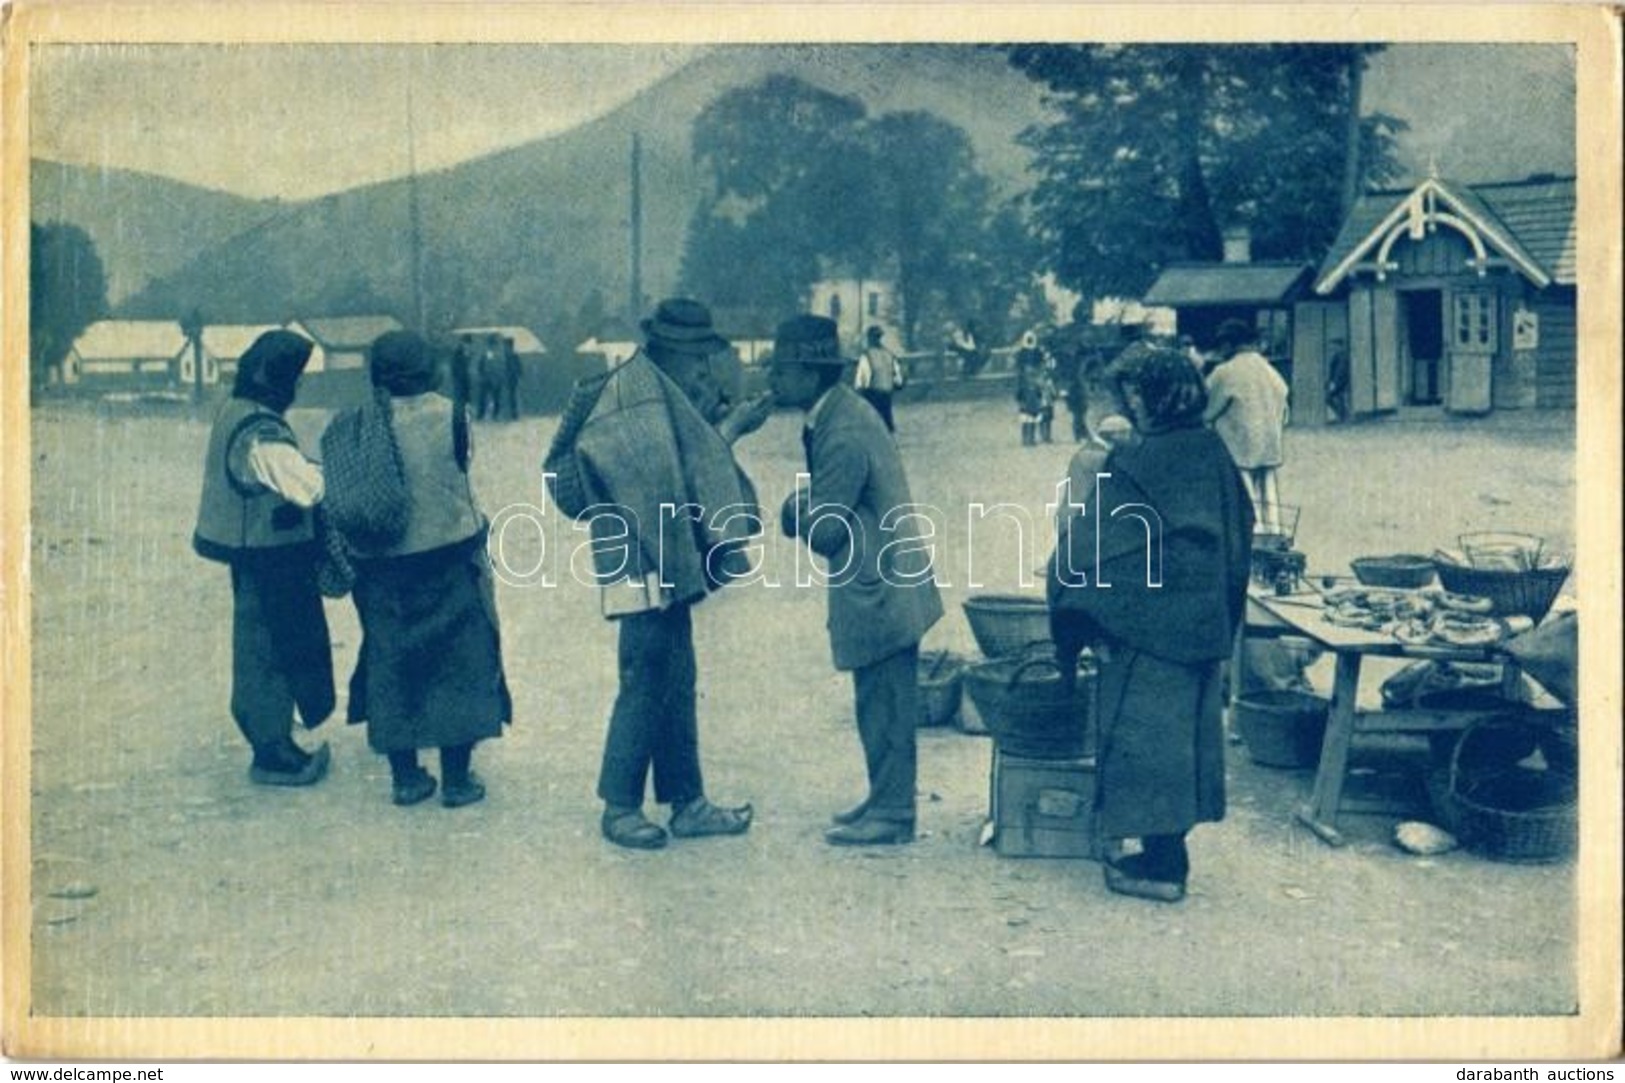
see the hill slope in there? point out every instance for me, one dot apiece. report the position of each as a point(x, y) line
point(525, 233)
point(145, 227)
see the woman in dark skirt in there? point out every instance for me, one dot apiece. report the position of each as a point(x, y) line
point(430, 669)
point(1158, 592)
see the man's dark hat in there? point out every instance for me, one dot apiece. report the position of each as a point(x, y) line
point(808, 340)
point(683, 325)
point(874, 334)
point(1234, 333)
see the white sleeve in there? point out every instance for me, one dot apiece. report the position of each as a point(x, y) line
point(865, 374)
point(281, 468)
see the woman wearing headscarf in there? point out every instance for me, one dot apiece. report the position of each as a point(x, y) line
point(1155, 583)
point(429, 673)
point(255, 514)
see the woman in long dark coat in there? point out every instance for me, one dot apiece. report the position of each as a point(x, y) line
point(1158, 592)
point(430, 670)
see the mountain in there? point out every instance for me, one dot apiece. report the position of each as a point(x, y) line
point(527, 234)
point(145, 227)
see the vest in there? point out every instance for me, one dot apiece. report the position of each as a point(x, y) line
point(444, 510)
point(882, 369)
point(235, 512)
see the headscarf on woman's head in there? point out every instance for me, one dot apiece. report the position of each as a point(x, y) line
point(400, 362)
point(268, 372)
point(1171, 392)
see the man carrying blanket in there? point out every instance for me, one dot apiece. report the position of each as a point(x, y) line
point(644, 454)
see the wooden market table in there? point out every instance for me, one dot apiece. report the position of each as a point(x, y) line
point(1302, 614)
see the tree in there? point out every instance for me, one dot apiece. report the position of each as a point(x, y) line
point(67, 292)
point(1157, 148)
point(803, 183)
point(767, 152)
point(933, 214)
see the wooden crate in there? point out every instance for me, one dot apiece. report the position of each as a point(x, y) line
point(1043, 808)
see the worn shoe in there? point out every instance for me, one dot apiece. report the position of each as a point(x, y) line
point(630, 828)
point(851, 815)
point(700, 818)
point(412, 788)
point(1127, 882)
point(871, 832)
point(312, 772)
point(466, 792)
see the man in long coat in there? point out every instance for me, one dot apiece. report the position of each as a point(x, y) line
point(856, 513)
point(653, 435)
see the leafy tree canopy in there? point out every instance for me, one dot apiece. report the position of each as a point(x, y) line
point(802, 183)
point(67, 292)
point(1156, 149)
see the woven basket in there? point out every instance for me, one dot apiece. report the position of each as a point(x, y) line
point(1029, 709)
point(941, 687)
point(1521, 814)
point(1403, 571)
point(1005, 624)
point(1528, 594)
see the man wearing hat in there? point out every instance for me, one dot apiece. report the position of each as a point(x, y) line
point(1247, 407)
point(651, 437)
point(879, 374)
point(857, 514)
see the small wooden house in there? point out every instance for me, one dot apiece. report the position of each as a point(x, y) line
point(1447, 296)
point(1262, 294)
point(341, 341)
point(130, 356)
point(224, 344)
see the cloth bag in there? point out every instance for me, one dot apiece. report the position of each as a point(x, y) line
point(367, 500)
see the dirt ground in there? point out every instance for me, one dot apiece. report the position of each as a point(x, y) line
point(202, 895)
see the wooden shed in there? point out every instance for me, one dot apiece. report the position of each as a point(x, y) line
point(224, 344)
point(1205, 295)
point(341, 341)
point(129, 356)
point(1445, 296)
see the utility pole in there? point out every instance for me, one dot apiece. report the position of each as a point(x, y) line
point(635, 291)
point(414, 209)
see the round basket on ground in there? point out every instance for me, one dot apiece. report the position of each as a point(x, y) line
point(941, 687)
point(1402, 571)
point(1029, 710)
point(1518, 814)
point(1005, 624)
point(1282, 729)
point(1514, 593)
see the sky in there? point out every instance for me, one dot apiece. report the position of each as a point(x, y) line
point(301, 121)
point(298, 121)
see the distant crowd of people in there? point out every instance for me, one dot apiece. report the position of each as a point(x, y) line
point(485, 372)
point(390, 518)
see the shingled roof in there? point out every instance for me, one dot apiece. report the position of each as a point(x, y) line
point(1194, 284)
point(348, 332)
point(126, 340)
point(1531, 223)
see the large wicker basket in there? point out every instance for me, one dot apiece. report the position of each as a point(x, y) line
point(1005, 624)
point(1514, 593)
point(1520, 814)
point(1030, 710)
point(941, 687)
